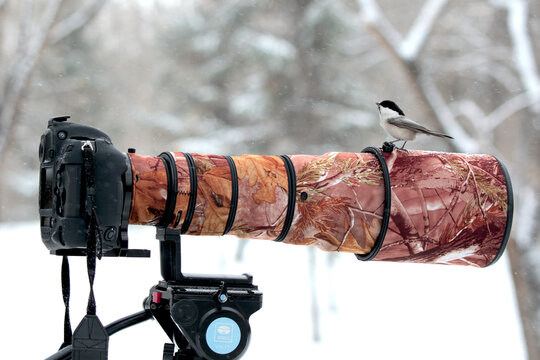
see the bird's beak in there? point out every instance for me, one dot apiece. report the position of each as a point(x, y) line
point(377, 103)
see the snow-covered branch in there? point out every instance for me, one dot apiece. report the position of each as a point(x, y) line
point(423, 25)
point(486, 124)
point(19, 75)
point(35, 39)
point(509, 108)
point(407, 48)
point(374, 18)
point(25, 17)
point(525, 213)
point(464, 142)
point(75, 21)
point(406, 53)
point(523, 49)
point(469, 109)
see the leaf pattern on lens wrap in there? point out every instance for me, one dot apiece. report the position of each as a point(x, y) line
point(214, 193)
point(149, 189)
point(336, 214)
point(262, 196)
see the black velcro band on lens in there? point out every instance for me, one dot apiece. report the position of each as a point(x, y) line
point(387, 204)
point(172, 189)
point(291, 177)
point(234, 195)
point(192, 193)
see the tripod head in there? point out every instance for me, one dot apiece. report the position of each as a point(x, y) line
point(206, 317)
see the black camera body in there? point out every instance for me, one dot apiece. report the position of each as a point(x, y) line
point(63, 192)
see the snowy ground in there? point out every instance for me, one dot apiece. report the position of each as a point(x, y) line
point(367, 310)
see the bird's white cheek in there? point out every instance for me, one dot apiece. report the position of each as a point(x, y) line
point(387, 113)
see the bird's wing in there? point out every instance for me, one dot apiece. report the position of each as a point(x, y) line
point(403, 122)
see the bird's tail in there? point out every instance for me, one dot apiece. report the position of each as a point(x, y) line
point(429, 132)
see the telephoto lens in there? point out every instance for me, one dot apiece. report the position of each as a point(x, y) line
point(413, 206)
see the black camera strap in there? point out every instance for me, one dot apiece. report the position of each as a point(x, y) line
point(65, 296)
point(90, 339)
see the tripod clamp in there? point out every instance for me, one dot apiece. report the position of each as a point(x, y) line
point(206, 317)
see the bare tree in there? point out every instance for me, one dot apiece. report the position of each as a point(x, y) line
point(35, 34)
point(480, 130)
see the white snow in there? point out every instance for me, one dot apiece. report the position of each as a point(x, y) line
point(370, 310)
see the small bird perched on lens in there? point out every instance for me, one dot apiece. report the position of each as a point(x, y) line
point(395, 123)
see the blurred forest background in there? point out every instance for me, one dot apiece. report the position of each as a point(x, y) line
point(275, 77)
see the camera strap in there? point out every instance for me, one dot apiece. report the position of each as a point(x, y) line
point(93, 235)
point(65, 296)
point(90, 339)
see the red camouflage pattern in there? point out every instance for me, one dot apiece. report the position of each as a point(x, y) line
point(446, 208)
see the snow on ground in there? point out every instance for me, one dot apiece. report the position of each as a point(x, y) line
point(368, 310)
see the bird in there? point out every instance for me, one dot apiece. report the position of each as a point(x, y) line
point(393, 120)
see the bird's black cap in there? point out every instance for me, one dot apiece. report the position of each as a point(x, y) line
point(392, 106)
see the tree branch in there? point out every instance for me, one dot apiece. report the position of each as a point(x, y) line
point(486, 124)
point(25, 18)
point(373, 17)
point(445, 117)
point(468, 108)
point(28, 54)
point(509, 108)
point(410, 47)
point(75, 21)
point(422, 84)
point(19, 74)
point(523, 49)
point(423, 25)
point(524, 234)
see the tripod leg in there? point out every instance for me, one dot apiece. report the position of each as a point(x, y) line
point(168, 351)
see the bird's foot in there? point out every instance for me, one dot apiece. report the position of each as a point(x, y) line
point(403, 147)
